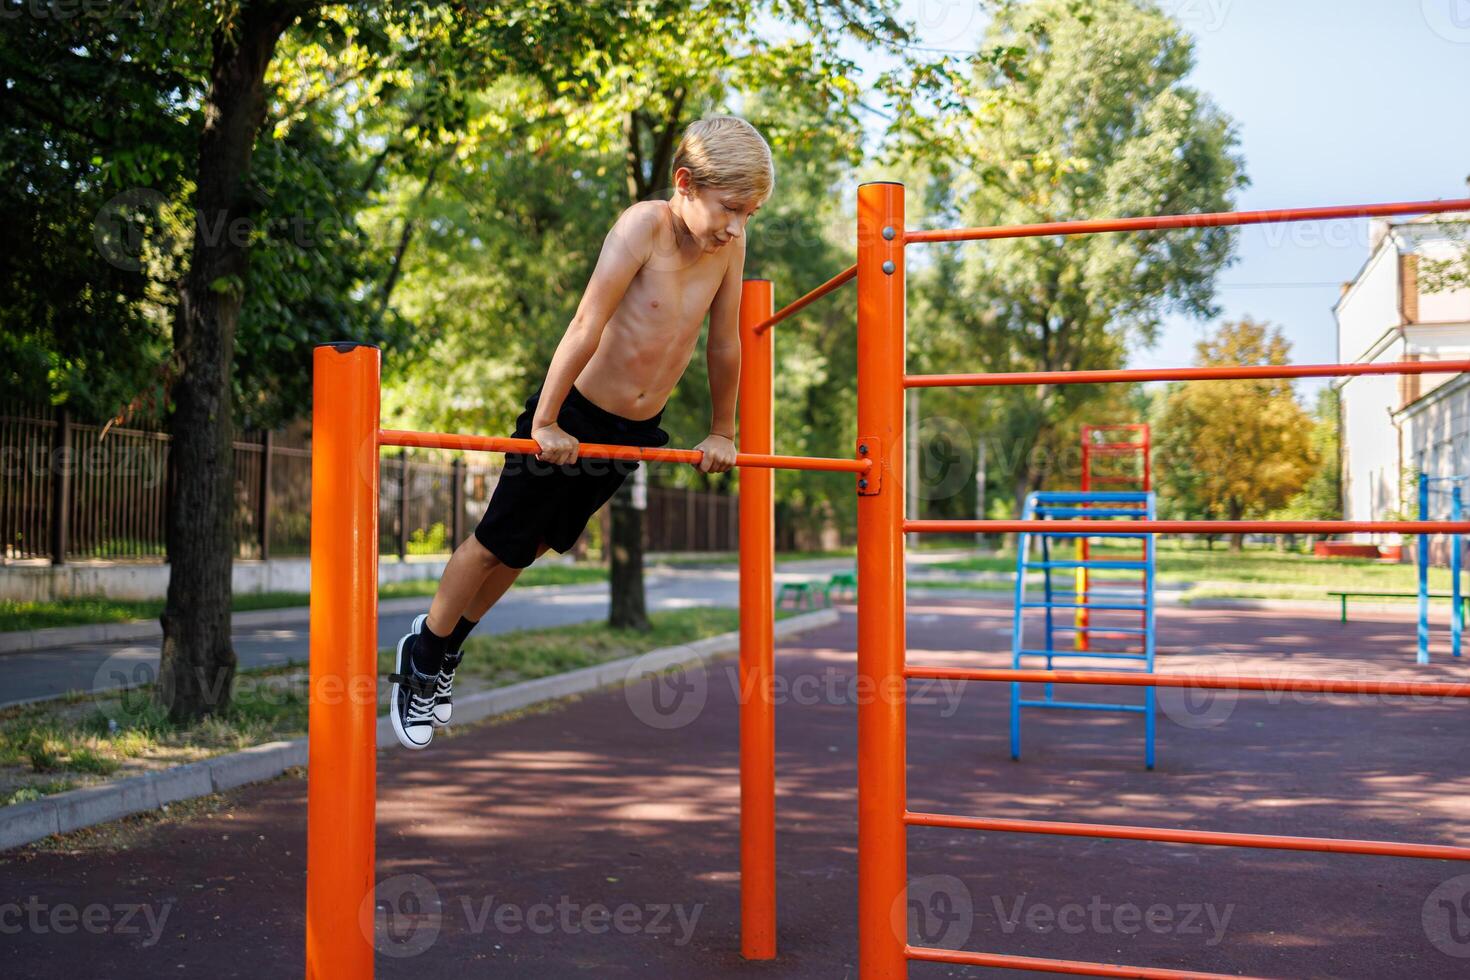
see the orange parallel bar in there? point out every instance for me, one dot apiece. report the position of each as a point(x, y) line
point(1074, 967)
point(1237, 372)
point(845, 276)
point(500, 444)
point(1214, 838)
point(1102, 528)
point(757, 631)
point(1315, 685)
point(1207, 220)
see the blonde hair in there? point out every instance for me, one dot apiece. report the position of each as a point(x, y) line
point(728, 153)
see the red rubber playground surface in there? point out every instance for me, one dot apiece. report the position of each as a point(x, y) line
point(583, 841)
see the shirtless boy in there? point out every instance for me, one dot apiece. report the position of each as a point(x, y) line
point(663, 266)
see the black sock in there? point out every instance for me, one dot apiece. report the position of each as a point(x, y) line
point(428, 651)
point(458, 636)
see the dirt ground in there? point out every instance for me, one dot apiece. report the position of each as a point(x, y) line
point(585, 841)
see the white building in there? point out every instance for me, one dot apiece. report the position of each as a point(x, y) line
point(1396, 426)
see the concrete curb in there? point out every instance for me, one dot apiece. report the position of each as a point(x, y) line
point(23, 823)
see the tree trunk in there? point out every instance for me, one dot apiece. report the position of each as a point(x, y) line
point(628, 606)
point(1235, 512)
point(198, 662)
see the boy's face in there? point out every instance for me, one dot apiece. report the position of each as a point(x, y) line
point(716, 217)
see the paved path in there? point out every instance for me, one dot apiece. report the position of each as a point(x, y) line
point(584, 842)
point(32, 675)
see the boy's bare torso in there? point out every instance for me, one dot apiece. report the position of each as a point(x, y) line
point(650, 338)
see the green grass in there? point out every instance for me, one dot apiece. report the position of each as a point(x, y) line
point(1000, 562)
point(53, 746)
point(1256, 572)
point(87, 610)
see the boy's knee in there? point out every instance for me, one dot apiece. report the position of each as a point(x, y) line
point(477, 551)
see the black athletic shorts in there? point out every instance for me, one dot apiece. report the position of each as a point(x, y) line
point(536, 501)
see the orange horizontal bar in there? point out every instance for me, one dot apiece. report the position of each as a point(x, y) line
point(1207, 220)
point(1187, 527)
point(499, 444)
point(1236, 372)
point(1214, 838)
point(1074, 967)
point(846, 275)
point(1133, 678)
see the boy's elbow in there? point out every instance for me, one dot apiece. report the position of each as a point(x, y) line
point(584, 328)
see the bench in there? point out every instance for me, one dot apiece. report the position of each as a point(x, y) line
point(815, 594)
point(842, 584)
point(804, 595)
point(1342, 597)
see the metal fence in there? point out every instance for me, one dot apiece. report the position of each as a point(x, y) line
point(691, 520)
point(67, 492)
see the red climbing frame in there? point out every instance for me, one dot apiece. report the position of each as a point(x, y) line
point(1100, 442)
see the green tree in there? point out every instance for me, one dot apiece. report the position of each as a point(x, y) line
point(434, 56)
point(1448, 274)
point(1321, 498)
point(205, 132)
point(1234, 450)
point(1072, 111)
point(84, 313)
point(523, 223)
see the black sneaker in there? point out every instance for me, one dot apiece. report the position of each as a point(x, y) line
point(444, 688)
point(411, 696)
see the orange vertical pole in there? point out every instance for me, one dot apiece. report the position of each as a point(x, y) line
point(882, 839)
point(757, 638)
point(342, 719)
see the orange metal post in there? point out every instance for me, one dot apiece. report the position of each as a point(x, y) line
point(342, 720)
point(757, 639)
point(882, 838)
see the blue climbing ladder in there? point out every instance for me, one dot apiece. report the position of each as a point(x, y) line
point(1119, 601)
point(1429, 493)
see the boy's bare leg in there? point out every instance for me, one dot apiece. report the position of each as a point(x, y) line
point(497, 583)
point(473, 581)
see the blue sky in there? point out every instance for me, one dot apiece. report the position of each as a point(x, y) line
point(1337, 102)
